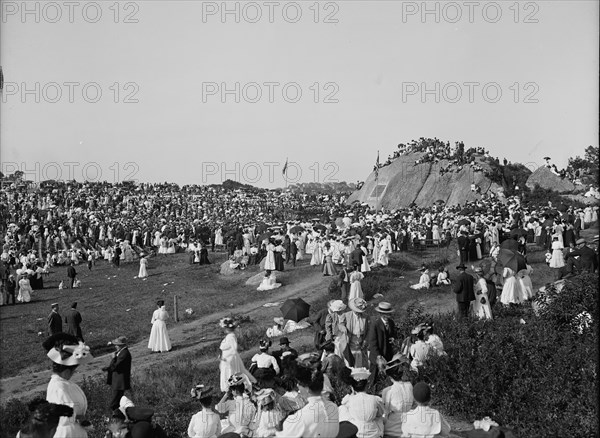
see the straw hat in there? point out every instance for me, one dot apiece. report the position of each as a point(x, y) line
point(384, 307)
point(70, 355)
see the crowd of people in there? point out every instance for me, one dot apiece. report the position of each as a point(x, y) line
point(435, 150)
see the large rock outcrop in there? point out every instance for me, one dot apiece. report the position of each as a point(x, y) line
point(401, 183)
point(547, 179)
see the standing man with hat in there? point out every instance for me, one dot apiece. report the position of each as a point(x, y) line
point(464, 290)
point(463, 247)
point(119, 371)
point(72, 274)
point(382, 332)
point(54, 321)
point(73, 322)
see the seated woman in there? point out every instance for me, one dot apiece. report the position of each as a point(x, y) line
point(205, 423)
point(363, 410)
point(442, 278)
point(420, 350)
point(238, 407)
point(269, 282)
point(423, 280)
point(264, 366)
point(397, 398)
point(423, 421)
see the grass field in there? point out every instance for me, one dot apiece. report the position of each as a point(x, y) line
point(113, 302)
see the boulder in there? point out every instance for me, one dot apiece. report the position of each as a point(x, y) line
point(547, 179)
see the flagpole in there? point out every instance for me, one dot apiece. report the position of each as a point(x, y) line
point(377, 184)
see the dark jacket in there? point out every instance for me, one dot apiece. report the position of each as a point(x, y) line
point(380, 339)
point(318, 322)
point(463, 288)
point(587, 257)
point(54, 323)
point(356, 257)
point(71, 272)
point(119, 371)
point(73, 321)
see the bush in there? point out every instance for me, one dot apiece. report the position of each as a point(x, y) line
point(537, 377)
point(14, 414)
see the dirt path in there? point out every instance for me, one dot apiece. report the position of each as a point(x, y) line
point(185, 338)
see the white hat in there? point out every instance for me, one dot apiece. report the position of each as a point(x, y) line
point(337, 306)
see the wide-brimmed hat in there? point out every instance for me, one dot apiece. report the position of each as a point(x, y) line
point(478, 270)
point(337, 306)
point(124, 404)
point(121, 340)
point(360, 373)
point(227, 323)
point(284, 341)
point(384, 307)
point(265, 396)
point(461, 266)
point(357, 304)
point(201, 391)
point(70, 355)
point(279, 320)
point(579, 241)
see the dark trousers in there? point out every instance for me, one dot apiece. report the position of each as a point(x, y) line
point(71, 281)
point(463, 308)
point(464, 256)
point(116, 395)
point(292, 259)
point(9, 296)
point(117, 261)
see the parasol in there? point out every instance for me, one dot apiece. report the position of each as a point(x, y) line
point(517, 232)
point(265, 236)
point(511, 259)
point(464, 222)
point(510, 244)
point(319, 227)
point(295, 309)
point(297, 229)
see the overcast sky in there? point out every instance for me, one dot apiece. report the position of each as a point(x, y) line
point(520, 79)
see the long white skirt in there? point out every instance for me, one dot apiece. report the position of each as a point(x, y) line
point(159, 337)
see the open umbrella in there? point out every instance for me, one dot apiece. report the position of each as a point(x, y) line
point(464, 222)
point(264, 236)
point(517, 232)
point(297, 229)
point(295, 309)
point(562, 208)
point(510, 244)
point(511, 259)
point(319, 227)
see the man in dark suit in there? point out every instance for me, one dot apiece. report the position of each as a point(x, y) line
point(382, 332)
point(287, 246)
point(72, 274)
point(345, 282)
point(73, 321)
point(318, 322)
point(356, 257)
point(117, 255)
point(285, 354)
point(583, 258)
point(463, 247)
point(463, 288)
point(119, 371)
point(54, 321)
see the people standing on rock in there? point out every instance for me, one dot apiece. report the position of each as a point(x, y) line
point(119, 371)
point(159, 341)
point(464, 290)
point(73, 322)
point(54, 321)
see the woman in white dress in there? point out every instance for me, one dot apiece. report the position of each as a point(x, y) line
point(317, 254)
point(526, 286)
point(397, 398)
point(171, 246)
point(435, 232)
point(363, 410)
point(364, 267)
point(557, 261)
point(355, 287)
point(328, 266)
point(25, 289)
point(163, 245)
point(269, 282)
point(219, 237)
point(481, 305)
point(237, 405)
point(511, 290)
point(423, 280)
point(270, 257)
point(159, 337)
point(376, 249)
point(385, 248)
point(206, 423)
point(66, 354)
point(231, 362)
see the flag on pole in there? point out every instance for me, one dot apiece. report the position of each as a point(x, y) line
point(284, 171)
point(377, 167)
